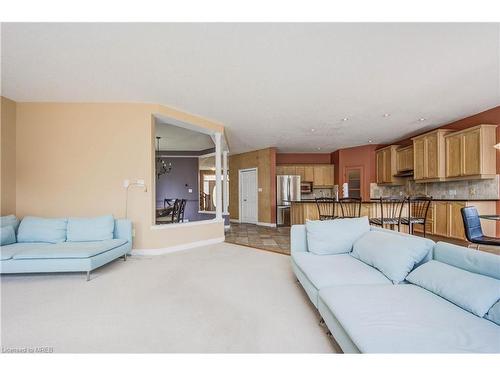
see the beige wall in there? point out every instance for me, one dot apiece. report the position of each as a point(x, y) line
point(265, 161)
point(72, 159)
point(8, 157)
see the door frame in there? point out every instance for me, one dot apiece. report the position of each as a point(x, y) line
point(256, 192)
point(362, 190)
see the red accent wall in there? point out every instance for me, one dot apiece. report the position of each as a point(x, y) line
point(302, 158)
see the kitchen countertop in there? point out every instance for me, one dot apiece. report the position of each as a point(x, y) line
point(376, 200)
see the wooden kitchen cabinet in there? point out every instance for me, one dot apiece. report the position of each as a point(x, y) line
point(440, 219)
point(470, 153)
point(455, 221)
point(429, 157)
point(289, 170)
point(444, 218)
point(309, 173)
point(301, 171)
point(386, 160)
point(418, 158)
point(404, 159)
point(321, 175)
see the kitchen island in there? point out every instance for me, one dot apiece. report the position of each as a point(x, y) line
point(443, 218)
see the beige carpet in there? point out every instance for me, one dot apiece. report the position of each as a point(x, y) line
point(219, 298)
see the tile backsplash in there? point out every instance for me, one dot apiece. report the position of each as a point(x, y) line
point(318, 193)
point(466, 189)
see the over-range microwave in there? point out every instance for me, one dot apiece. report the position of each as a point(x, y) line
point(306, 187)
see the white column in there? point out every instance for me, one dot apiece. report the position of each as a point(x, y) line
point(218, 175)
point(225, 196)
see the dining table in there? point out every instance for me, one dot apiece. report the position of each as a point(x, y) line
point(490, 217)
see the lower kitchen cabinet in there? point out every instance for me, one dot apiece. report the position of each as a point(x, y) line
point(444, 218)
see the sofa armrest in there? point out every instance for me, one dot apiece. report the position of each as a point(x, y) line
point(123, 229)
point(298, 239)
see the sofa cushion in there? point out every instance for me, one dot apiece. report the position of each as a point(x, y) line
point(90, 229)
point(7, 252)
point(70, 250)
point(407, 319)
point(494, 313)
point(395, 256)
point(7, 235)
point(481, 262)
point(471, 291)
point(38, 229)
point(341, 269)
point(334, 236)
point(9, 220)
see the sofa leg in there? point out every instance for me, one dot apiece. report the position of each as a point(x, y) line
point(322, 322)
point(88, 275)
point(125, 258)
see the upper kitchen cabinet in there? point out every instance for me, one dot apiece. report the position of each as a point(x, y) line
point(404, 159)
point(429, 157)
point(470, 153)
point(323, 175)
point(386, 159)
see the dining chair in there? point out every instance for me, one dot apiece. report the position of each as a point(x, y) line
point(327, 208)
point(418, 207)
point(473, 230)
point(350, 207)
point(182, 207)
point(390, 212)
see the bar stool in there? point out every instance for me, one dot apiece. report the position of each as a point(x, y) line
point(327, 208)
point(390, 212)
point(351, 207)
point(418, 207)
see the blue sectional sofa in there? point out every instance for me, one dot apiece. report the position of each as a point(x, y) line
point(37, 245)
point(386, 292)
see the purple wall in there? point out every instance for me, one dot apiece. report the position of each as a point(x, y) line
point(173, 185)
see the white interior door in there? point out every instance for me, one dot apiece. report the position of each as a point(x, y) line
point(248, 196)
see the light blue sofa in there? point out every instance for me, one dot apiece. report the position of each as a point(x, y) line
point(63, 245)
point(367, 313)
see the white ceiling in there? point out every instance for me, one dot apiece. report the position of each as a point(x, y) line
point(174, 138)
point(270, 84)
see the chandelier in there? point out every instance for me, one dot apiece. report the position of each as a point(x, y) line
point(162, 167)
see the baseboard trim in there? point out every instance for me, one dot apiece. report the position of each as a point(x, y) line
point(262, 224)
point(272, 225)
point(173, 249)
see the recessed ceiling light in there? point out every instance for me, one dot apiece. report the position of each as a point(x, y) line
point(387, 114)
point(319, 148)
point(421, 119)
point(345, 119)
point(313, 130)
point(370, 141)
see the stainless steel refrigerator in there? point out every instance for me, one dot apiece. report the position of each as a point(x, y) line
point(287, 190)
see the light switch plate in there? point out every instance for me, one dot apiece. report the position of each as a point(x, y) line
point(190, 190)
point(260, 190)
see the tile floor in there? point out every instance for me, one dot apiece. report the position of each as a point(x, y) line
point(266, 238)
